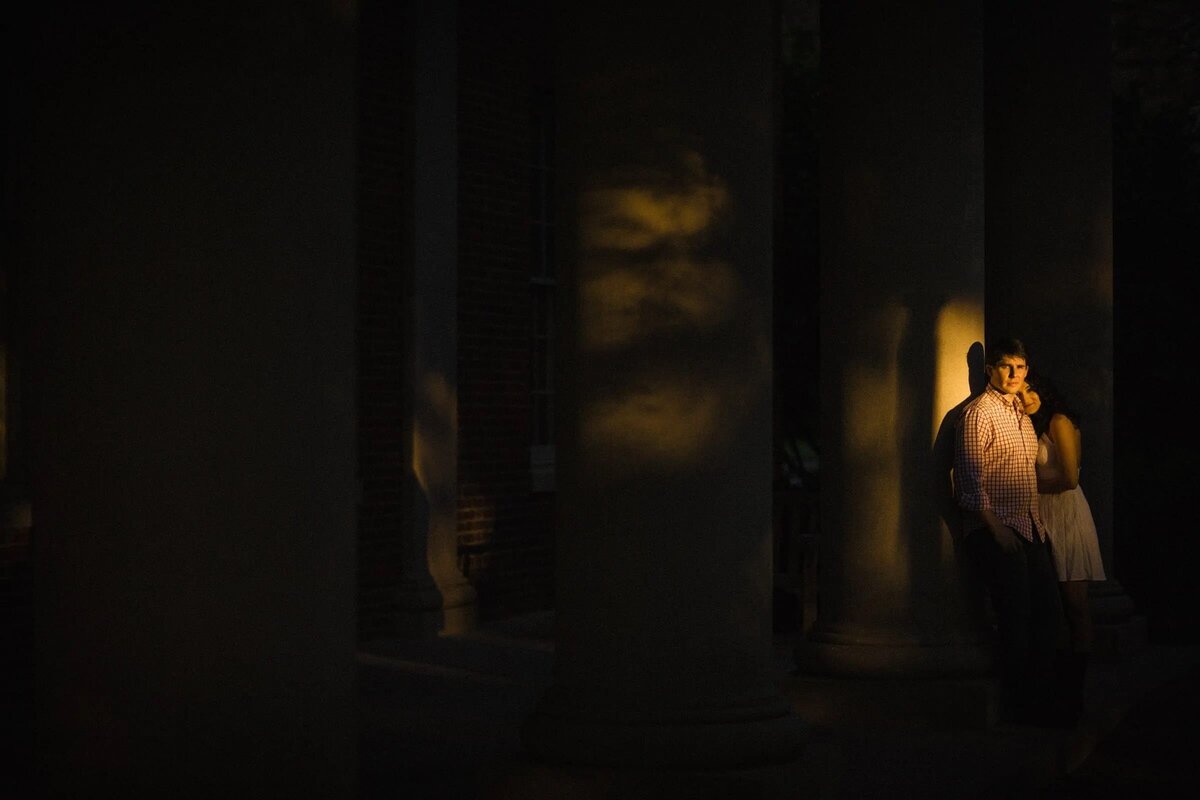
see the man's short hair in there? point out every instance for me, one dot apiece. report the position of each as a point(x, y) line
point(1005, 347)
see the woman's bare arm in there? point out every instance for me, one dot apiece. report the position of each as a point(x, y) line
point(1069, 445)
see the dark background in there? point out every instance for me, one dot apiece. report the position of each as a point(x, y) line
point(1156, 246)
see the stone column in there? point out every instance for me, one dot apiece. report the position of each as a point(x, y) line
point(902, 316)
point(663, 573)
point(434, 596)
point(1049, 232)
point(185, 229)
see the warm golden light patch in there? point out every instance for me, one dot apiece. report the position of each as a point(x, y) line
point(434, 455)
point(651, 267)
point(636, 218)
point(642, 269)
point(654, 214)
point(665, 423)
point(959, 326)
point(622, 303)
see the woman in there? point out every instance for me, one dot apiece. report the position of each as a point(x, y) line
point(1069, 524)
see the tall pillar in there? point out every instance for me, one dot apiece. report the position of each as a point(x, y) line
point(663, 572)
point(902, 316)
point(1049, 230)
point(185, 225)
point(434, 596)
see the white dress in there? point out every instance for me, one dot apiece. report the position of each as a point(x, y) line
point(1069, 523)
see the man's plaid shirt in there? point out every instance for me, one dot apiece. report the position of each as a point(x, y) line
point(994, 462)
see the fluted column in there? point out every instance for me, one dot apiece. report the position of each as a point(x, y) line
point(901, 319)
point(663, 573)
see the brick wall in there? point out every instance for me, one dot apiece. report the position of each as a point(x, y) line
point(505, 529)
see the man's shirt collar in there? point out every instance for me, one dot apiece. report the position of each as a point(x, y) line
point(1007, 400)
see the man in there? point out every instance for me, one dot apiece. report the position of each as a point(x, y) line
point(996, 487)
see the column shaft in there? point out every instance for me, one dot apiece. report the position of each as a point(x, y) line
point(663, 574)
point(902, 296)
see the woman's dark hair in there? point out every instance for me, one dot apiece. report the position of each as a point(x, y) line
point(1053, 402)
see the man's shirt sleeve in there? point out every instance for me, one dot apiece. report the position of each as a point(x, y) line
point(974, 433)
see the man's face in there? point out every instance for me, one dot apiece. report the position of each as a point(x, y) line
point(1008, 374)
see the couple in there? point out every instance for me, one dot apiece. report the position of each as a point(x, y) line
point(1029, 533)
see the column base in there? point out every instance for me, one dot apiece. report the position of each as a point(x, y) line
point(426, 611)
point(955, 703)
point(837, 656)
point(939, 685)
point(710, 738)
point(459, 612)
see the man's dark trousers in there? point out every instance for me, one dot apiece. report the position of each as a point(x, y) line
point(1023, 587)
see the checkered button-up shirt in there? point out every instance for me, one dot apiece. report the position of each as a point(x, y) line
point(994, 462)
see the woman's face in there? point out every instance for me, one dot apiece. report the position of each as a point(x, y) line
point(1029, 399)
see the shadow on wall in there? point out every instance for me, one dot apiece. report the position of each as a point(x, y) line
point(943, 442)
point(943, 477)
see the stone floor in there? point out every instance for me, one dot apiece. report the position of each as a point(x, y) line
point(440, 719)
